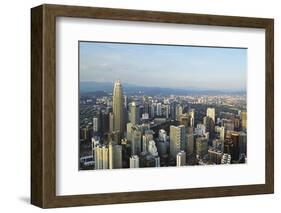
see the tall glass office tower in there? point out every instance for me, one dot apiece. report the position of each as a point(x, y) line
point(118, 104)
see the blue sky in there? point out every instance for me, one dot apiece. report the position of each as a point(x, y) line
point(164, 65)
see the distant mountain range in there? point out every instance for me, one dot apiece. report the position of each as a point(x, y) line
point(131, 89)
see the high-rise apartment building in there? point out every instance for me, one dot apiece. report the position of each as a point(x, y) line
point(177, 140)
point(211, 113)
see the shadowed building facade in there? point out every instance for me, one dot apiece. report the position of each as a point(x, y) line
point(244, 120)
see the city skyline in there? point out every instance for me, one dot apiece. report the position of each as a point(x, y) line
point(169, 66)
point(139, 131)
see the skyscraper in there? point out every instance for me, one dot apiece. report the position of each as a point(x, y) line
point(201, 146)
point(101, 157)
point(189, 139)
point(157, 161)
point(85, 134)
point(134, 161)
point(173, 111)
point(152, 111)
point(111, 122)
point(211, 113)
point(162, 135)
point(177, 140)
point(242, 143)
point(115, 156)
point(129, 131)
point(104, 122)
point(98, 157)
point(200, 129)
point(118, 104)
point(110, 156)
point(228, 125)
point(126, 101)
point(179, 111)
point(210, 126)
point(167, 111)
point(148, 136)
point(159, 109)
point(134, 116)
point(221, 132)
point(244, 120)
point(191, 113)
point(104, 157)
point(185, 120)
point(152, 149)
point(96, 124)
point(181, 158)
point(136, 141)
point(235, 142)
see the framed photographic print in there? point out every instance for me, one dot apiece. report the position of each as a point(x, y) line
point(136, 106)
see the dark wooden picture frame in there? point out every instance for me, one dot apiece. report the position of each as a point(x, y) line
point(43, 105)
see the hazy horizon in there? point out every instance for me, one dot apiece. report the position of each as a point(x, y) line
point(124, 84)
point(164, 66)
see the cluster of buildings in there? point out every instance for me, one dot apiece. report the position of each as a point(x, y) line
point(131, 133)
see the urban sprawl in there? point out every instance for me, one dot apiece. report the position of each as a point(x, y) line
point(137, 131)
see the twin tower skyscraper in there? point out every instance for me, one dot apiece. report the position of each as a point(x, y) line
point(118, 108)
